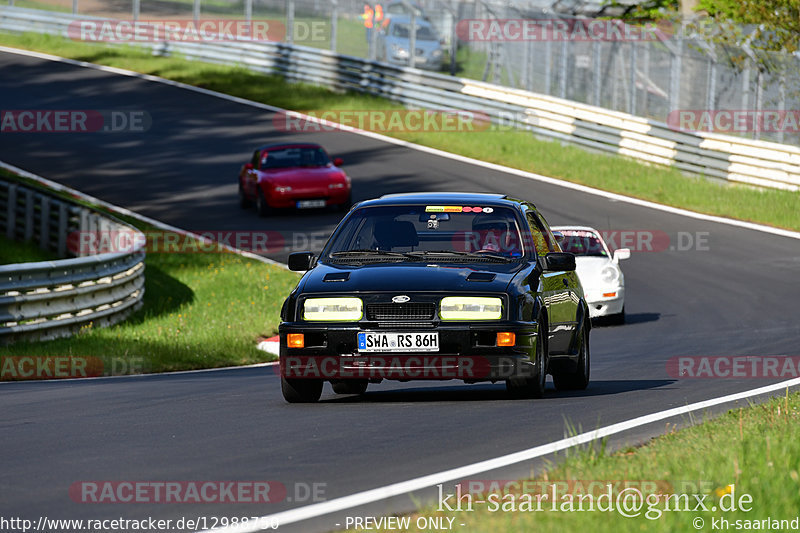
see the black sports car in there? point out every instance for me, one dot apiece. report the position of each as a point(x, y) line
point(435, 286)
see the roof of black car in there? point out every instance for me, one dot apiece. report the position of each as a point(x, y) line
point(445, 198)
point(272, 146)
point(442, 198)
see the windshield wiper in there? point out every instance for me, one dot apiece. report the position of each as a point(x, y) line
point(357, 253)
point(487, 255)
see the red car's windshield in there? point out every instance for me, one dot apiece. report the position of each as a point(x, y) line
point(301, 156)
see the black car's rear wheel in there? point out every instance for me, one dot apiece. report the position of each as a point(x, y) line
point(301, 390)
point(579, 378)
point(350, 386)
point(532, 387)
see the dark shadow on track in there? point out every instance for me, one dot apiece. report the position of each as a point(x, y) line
point(630, 319)
point(492, 392)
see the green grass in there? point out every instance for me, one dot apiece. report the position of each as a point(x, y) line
point(516, 149)
point(755, 449)
point(200, 310)
point(22, 252)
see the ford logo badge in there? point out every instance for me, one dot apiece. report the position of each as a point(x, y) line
point(400, 299)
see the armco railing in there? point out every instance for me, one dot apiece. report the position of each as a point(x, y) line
point(729, 158)
point(52, 299)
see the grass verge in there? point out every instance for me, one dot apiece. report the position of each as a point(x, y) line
point(511, 148)
point(22, 252)
point(748, 456)
point(200, 310)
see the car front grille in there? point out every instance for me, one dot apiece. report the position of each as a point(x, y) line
point(401, 312)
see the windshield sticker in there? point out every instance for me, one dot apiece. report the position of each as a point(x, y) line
point(576, 233)
point(443, 209)
point(457, 209)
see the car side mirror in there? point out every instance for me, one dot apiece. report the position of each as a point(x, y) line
point(622, 253)
point(248, 166)
point(301, 261)
point(558, 261)
point(338, 161)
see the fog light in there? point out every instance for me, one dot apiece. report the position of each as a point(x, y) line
point(506, 338)
point(295, 340)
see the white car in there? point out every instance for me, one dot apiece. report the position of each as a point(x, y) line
point(598, 269)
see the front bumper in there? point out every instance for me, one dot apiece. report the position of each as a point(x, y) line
point(288, 200)
point(602, 306)
point(466, 351)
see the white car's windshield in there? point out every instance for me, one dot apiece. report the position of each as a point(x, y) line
point(582, 243)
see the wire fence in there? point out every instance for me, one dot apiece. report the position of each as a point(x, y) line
point(670, 75)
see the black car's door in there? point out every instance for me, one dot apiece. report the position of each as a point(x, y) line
point(560, 289)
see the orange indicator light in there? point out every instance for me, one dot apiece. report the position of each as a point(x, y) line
point(506, 338)
point(295, 340)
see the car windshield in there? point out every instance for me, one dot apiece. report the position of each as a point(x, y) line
point(295, 156)
point(582, 243)
point(427, 232)
point(424, 33)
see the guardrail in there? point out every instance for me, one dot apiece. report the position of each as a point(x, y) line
point(730, 158)
point(49, 299)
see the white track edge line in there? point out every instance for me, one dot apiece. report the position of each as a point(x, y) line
point(455, 157)
point(403, 487)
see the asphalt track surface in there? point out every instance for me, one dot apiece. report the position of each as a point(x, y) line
point(736, 298)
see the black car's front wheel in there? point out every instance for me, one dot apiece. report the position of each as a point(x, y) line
point(301, 390)
point(577, 379)
point(532, 387)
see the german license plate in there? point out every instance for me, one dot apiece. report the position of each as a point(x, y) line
point(310, 204)
point(369, 341)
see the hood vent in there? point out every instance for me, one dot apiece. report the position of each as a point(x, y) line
point(481, 276)
point(337, 276)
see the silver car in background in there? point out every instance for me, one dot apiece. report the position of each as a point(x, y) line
point(394, 42)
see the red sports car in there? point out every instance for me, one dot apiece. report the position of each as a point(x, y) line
point(299, 175)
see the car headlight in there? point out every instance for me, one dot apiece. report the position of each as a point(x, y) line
point(471, 308)
point(332, 309)
point(336, 185)
point(609, 274)
point(436, 53)
point(399, 51)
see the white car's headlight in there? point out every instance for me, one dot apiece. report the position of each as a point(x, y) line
point(333, 309)
point(609, 274)
point(471, 308)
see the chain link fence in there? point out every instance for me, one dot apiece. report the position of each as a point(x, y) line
point(670, 76)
